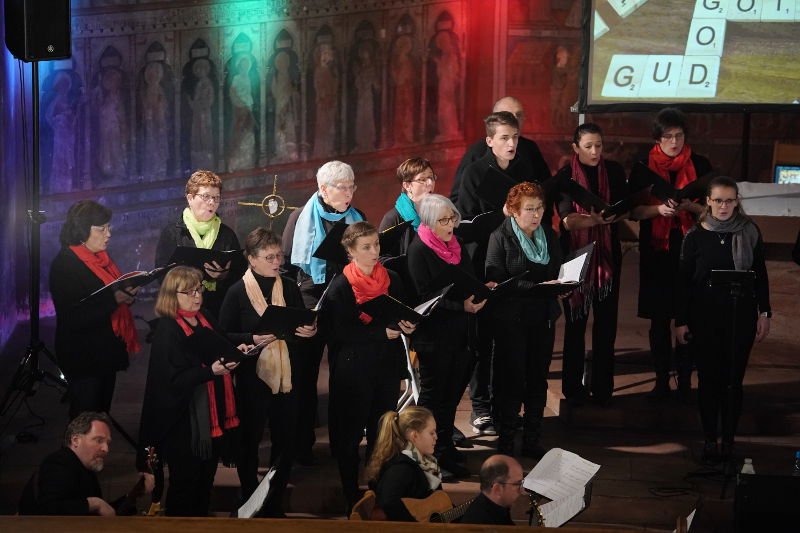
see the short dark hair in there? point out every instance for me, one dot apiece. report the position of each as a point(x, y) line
point(667, 118)
point(82, 424)
point(501, 118)
point(493, 472)
point(260, 239)
point(81, 216)
point(585, 128)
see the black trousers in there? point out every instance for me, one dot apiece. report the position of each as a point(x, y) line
point(304, 381)
point(720, 371)
point(480, 384)
point(91, 393)
point(523, 352)
point(604, 335)
point(190, 478)
point(443, 376)
point(255, 404)
point(661, 349)
point(363, 386)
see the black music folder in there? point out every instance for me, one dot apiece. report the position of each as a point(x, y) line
point(479, 228)
point(331, 248)
point(588, 200)
point(389, 311)
point(664, 190)
point(570, 276)
point(131, 280)
point(472, 285)
point(283, 321)
point(211, 346)
point(197, 257)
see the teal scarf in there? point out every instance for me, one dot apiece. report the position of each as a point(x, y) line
point(407, 210)
point(534, 249)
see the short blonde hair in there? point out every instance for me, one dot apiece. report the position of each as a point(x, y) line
point(180, 278)
point(202, 178)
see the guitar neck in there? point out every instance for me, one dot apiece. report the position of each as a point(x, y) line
point(451, 514)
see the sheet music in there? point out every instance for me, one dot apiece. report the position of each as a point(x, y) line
point(689, 520)
point(425, 307)
point(558, 512)
point(256, 500)
point(322, 296)
point(570, 272)
point(560, 474)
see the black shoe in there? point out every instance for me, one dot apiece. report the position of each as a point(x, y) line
point(484, 425)
point(534, 450)
point(460, 440)
point(710, 456)
point(457, 470)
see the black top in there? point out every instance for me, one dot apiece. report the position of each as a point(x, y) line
point(618, 189)
point(446, 326)
point(177, 234)
point(390, 219)
point(703, 252)
point(400, 477)
point(470, 204)
point(85, 341)
point(61, 486)
point(485, 511)
point(347, 333)
point(527, 149)
point(311, 292)
point(505, 259)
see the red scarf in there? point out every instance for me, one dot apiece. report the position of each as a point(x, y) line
point(231, 420)
point(104, 268)
point(662, 164)
point(600, 272)
point(366, 287)
point(449, 252)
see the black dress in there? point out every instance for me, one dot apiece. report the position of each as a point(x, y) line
point(177, 234)
point(604, 327)
point(524, 332)
point(255, 400)
point(364, 377)
point(400, 477)
point(88, 351)
point(713, 325)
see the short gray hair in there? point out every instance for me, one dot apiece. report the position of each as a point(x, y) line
point(334, 172)
point(82, 425)
point(431, 207)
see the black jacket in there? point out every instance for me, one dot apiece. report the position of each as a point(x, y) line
point(527, 149)
point(505, 259)
point(61, 486)
point(400, 477)
point(390, 219)
point(485, 511)
point(177, 234)
point(470, 204)
point(446, 327)
point(85, 341)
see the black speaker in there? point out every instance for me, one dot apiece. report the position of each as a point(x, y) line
point(767, 503)
point(38, 30)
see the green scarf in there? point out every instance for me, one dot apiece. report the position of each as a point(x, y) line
point(534, 249)
point(204, 235)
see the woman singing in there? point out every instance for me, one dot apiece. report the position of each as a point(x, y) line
point(441, 339)
point(93, 338)
point(366, 356)
point(403, 464)
point(524, 325)
point(201, 227)
point(189, 408)
point(661, 230)
point(724, 239)
point(600, 292)
point(264, 384)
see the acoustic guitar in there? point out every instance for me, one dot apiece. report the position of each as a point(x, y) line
point(423, 508)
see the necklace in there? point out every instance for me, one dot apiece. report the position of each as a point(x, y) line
point(721, 237)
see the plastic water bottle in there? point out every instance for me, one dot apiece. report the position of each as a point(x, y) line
point(747, 467)
point(796, 469)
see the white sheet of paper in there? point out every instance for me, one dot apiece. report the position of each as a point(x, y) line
point(689, 520)
point(560, 474)
point(256, 500)
point(558, 512)
point(570, 272)
point(425, 307)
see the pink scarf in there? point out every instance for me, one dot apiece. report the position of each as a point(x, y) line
point(449, 252)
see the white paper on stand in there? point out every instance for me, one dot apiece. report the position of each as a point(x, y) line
point(558, 512)
point(560, 474)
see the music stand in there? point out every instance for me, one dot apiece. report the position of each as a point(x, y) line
point(731, 284)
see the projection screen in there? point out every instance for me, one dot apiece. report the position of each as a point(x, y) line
point(727, 54)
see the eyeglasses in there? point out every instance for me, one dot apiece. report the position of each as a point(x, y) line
point(446, 221)
point(271, 257)
point(345, 188)
point(105, 228)
point(425, 181)
point(518, 484)
point(197, 291)
point(207, 198)
point(668, 137)
point(724, 201)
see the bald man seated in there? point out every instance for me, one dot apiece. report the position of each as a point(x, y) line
point(501, 485)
